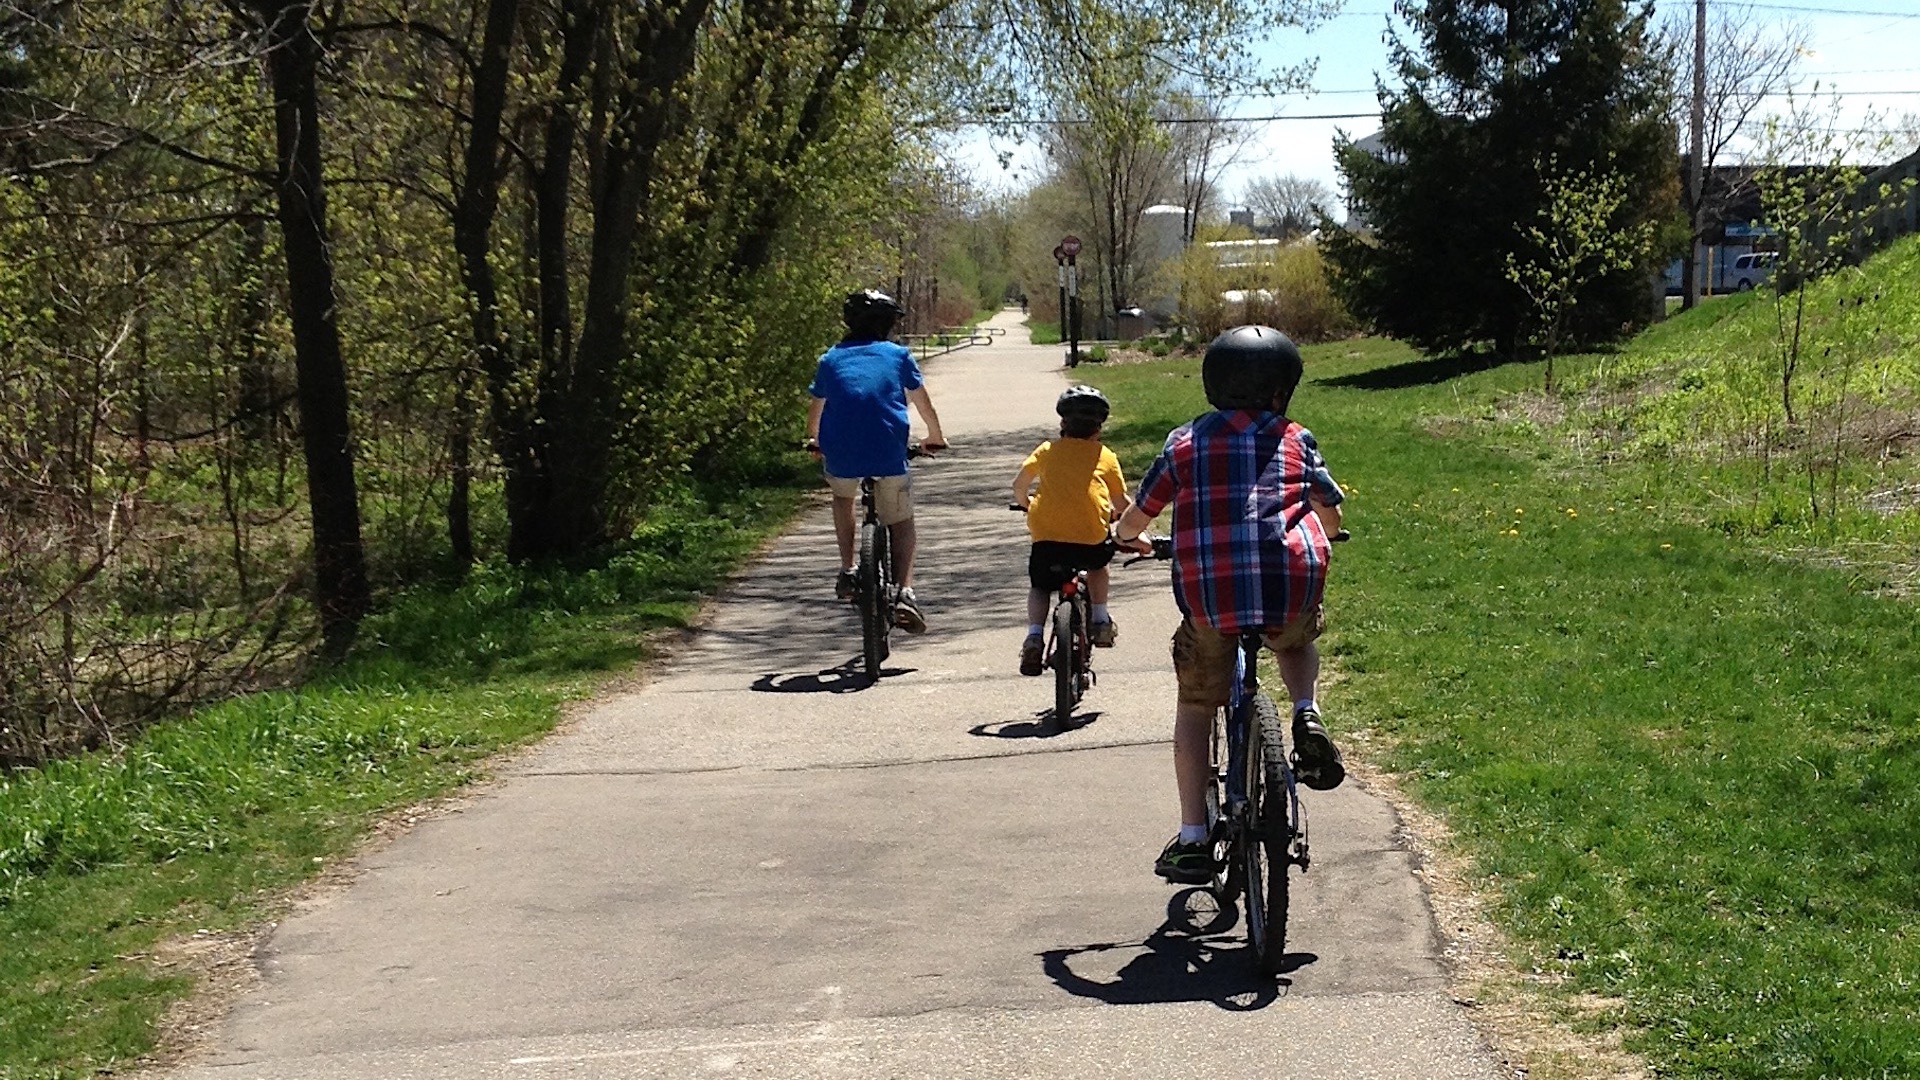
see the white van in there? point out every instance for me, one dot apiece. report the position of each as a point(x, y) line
point(1751, 269)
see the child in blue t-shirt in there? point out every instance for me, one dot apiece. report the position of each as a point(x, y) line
point(858, 423)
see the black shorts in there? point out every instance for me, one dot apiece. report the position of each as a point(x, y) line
point(1053, 564)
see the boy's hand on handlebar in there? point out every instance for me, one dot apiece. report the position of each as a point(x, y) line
point(1139, 545)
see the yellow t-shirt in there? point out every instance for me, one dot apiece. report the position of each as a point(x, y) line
point(1079, 481)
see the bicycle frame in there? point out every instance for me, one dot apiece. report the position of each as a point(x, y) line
point(1239, 714)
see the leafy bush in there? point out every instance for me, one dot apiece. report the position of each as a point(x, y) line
point(1284, 287)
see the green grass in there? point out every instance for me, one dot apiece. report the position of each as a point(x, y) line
point(1687, 770)
point(204, 823)
point(1045, 333)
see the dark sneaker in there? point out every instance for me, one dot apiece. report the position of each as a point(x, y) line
point(1316, 761)
point(907, 615)
point(846, 585)
point(1031, 660)
point(1103, 634)
point(1185, 864)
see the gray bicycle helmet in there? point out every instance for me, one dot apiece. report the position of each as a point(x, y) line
point(1251, 367)
point(870, 315)
point(1083, 401)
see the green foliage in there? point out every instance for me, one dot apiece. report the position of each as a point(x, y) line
point(1492, 90)
point(1044, 333)
point(199, 825)
point(1685, 769)
point(1283, 286)
point(1578, 239)
point(1705, 389)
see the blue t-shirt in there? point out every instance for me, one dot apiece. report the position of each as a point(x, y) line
point(864, 428)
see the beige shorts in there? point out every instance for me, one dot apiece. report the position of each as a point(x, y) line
point(1203, 659)
point(892, 495)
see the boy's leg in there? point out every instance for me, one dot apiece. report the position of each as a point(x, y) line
point(1316, 760)
point(1099, 587)
point(1192, 732)
point(1300, 671)
point(843, 528)
point(1203, 667)
point(905, 539)
point(1033, 646)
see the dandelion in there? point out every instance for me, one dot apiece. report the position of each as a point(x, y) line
point(1519, 511)
point(1666, 547)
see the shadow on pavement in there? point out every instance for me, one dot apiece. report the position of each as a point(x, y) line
point(848, 678)
point(1190, 957)
point(1039, 726)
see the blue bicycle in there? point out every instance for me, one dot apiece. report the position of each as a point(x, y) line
point(1255, 820)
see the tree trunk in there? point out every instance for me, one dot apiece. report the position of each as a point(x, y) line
point(473, 219)
point(339, 562)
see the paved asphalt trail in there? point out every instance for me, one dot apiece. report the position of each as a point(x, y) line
point(756, 867)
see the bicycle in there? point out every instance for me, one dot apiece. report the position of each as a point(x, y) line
point(1070, 621)
point(876, 593)
point(1255, 820)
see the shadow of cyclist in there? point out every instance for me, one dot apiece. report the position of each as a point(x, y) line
point(1179, 961)
point(848, 678)
point(1040, 726)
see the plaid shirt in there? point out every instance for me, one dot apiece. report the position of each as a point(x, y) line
point(1248, 552)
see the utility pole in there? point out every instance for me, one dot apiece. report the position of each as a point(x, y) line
point(1690, 294)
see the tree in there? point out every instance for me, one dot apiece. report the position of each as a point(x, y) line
point(1493, 88)
point(1747, 63)
point(1578, 239)
point(1290, 204)
point(292, 54)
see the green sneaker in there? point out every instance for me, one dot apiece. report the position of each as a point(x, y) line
point(1185, 864)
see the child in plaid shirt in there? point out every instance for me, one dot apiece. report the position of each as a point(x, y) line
point(1253, 509)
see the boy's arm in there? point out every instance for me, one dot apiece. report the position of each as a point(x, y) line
point(815, 408)
point(923, 404)
point(1116, 483)
point(1131, 525)
point(1023, 485)
point(1329, 515)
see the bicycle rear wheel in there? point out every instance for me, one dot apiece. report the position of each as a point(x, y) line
point(875, 611)
point(1264, 842)
point(1063, 664)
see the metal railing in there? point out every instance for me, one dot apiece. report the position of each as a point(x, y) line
point(950, 339)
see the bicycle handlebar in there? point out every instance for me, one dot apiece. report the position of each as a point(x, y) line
point(1163, 547)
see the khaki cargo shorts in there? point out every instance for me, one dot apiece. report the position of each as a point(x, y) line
point(1203, 659)
point(892, 495)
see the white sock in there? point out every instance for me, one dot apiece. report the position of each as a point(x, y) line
point(1304, 704)
point(1034, 629)
point(1100, 613)
point(1192, 834)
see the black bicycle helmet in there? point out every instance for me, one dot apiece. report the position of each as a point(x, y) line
point(1251, 367)
point(870, 315)
point(1083, 401)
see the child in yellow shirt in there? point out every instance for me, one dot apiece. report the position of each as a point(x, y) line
point(1081, 492)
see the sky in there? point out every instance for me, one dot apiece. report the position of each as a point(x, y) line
point(1862, 49)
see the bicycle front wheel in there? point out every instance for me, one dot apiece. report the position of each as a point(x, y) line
point(875, 611)
point(1263, 843)
point(1063, 665)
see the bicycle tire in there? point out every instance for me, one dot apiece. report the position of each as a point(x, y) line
point(1063, 664)
point(1264, 843)
point(873, 605)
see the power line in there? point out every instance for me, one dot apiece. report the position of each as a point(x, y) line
point(1036, 121)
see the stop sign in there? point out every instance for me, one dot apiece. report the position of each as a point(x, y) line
point(1070, 246)
point(1059, 253)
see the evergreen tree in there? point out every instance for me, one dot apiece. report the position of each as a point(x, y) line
point(1499, 97)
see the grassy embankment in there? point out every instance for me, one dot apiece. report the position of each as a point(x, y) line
point(1683, 754)
point(204, 823)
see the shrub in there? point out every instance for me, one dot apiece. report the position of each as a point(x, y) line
point(1285, 288)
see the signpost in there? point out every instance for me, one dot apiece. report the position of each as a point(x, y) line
point(1070, 296)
